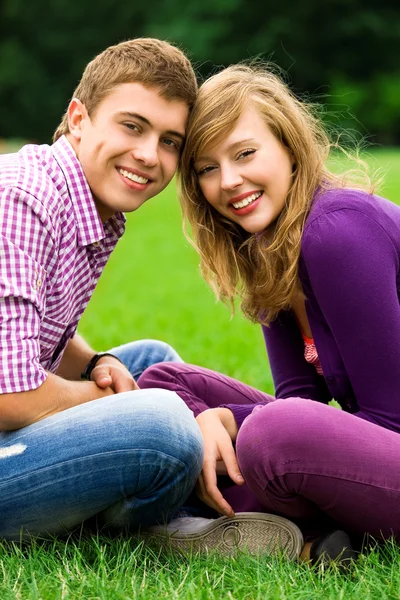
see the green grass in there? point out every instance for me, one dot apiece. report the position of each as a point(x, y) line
point(122, 569)
point(152, 288)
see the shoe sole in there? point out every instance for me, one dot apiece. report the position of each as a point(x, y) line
point(254, 533)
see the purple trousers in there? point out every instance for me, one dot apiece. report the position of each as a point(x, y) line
point(304, 460)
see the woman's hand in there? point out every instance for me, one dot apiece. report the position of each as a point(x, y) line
point(219, 430)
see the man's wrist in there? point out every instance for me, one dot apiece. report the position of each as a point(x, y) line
point(87, 372)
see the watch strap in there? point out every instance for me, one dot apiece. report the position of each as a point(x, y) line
point(86, 373)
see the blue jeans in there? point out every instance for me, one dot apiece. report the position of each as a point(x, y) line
point(130, 459)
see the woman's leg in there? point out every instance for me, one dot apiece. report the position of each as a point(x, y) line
point(309, 462)
point(131, 458)
point(201, 389)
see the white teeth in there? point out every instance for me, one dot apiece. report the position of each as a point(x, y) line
point(132, 176)
point(247, 201)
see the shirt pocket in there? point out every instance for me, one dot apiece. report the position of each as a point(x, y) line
point(54, 336)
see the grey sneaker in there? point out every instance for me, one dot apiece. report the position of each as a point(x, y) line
point(251, 532)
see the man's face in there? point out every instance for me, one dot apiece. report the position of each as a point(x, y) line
point(129, 148)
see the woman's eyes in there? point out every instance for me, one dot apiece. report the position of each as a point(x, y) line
point(205, 170)
point(241, 156)
point(245, 153)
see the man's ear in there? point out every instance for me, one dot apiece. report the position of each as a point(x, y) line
point(77, 114)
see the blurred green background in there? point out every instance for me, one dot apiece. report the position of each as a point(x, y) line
point(343, 53)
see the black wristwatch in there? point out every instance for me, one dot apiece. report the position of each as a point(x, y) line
point(86, 373)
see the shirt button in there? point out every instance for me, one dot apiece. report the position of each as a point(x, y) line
point(96, 244)
point(38, 283)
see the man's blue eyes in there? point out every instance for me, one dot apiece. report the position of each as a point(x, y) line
point(131, 126)
point(166, 141)
point(172, 143)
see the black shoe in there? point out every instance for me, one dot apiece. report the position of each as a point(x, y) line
point(333, 547)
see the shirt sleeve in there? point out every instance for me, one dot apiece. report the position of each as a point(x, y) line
point(352, 264)
point(24, 246)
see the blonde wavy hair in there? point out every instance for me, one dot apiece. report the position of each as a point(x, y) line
point(262, 269)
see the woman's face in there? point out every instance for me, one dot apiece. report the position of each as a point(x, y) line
point(247, 176)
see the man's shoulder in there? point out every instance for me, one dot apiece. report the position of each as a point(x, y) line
point(31, 160)
point(34, 177)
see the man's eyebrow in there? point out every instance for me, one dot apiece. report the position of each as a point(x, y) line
point(132, 115)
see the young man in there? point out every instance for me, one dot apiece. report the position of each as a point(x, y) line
point(72, 449)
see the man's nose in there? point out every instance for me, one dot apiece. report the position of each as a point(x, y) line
point(146, 152)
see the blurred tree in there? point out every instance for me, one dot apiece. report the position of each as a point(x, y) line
point(342, 52)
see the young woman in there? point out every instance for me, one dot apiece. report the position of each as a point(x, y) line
point(316, 261)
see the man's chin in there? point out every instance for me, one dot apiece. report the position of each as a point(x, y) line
point(129, 207)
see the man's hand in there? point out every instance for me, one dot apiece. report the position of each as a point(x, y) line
point(110, 372)
point(219, 430)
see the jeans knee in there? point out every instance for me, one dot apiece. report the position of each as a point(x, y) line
point(173, 425)
point(159, 351)
point(138, 356)
point(168, 353)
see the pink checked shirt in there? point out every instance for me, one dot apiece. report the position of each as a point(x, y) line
point(53, 249)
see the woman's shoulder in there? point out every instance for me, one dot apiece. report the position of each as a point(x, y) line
point(332, 199)
point(347, 207)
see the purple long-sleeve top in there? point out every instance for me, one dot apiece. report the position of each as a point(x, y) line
point(350, 272)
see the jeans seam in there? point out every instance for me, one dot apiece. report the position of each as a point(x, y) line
point(82, 458)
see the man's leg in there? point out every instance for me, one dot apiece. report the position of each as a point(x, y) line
point(131, 458)
point(311, 462)
point(138, 356)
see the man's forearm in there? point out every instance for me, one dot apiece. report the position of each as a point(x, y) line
point(20, 409)
point(75, 358)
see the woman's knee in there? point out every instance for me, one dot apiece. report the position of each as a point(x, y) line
point(277, 434)
point(161, 375)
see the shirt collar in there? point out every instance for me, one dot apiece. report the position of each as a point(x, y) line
point(90, 227)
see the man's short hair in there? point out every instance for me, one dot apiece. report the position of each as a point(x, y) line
point(151, 62)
